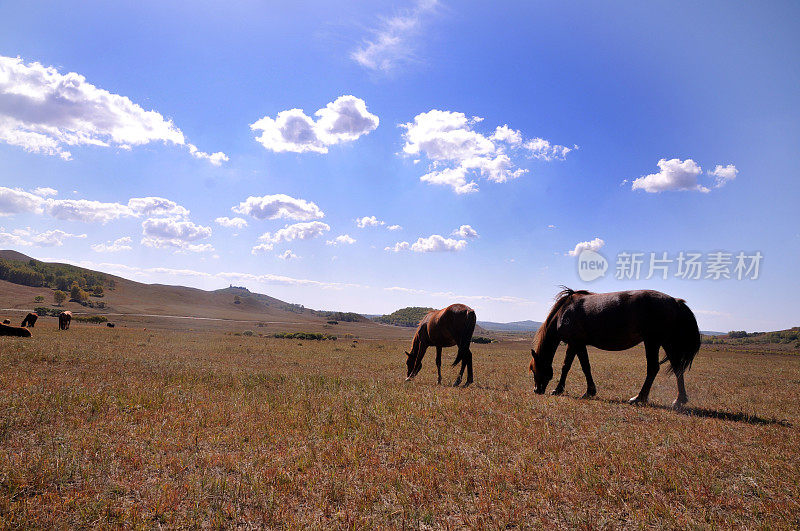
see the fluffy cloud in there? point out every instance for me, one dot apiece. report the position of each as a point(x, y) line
point(156, 206)
point(682, 175)
point(458, 153)
point(43, 111)
point(342, 120)
point(29, 237)
point(344, 239)
point(436, 244)
point(397, 247)
point(85, 210)
point(297, 231)
point(394, 227)
point(231, 223)
point(16, 201)
point(465, 231)
point(44, 191)
point(288, 255)
point(369, 221)
point(393, 43)
point(175, 234)
point(279, 206)
point(594, 245)
point(723, 174)
point(120, 244)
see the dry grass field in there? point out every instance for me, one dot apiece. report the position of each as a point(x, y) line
point(107, 427)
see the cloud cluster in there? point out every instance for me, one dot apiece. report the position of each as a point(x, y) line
point(682, 175)
point(593, 245)
point(174, 233)
point(43, 111)
point(297, 231)
point(344, 239)
point(342, 120)
point(120, 244)
point(457, 153)
point(434, 243)
point(465, 231)
point(393, 43)
point(288, 255)
point(29, 237)
point(279, 206)
point(231, 223)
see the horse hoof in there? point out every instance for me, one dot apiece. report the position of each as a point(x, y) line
point(557, 391)
point(469, 382)
point(636, 401)
point(679, 403)
point(456, 383)
point(587, 395)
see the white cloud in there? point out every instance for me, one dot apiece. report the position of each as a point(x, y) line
point(449, 295)
point(17, 201)
point(369, 221)
point(175, 234)
point(723, 174)
point(156, 206)
point(86, 210)
point(594, 245)
point(44, 191)
point(458, 153)
point(30, 237)
point(342, 120)
point(288, 255)
point(120, 244)
point(262, 248)
point(674, 174)
point(436, 244)
point(394, 227)
point(279, 206)
point(297, 231)
point(344, 239)
point(43, 111)
point(397, 247)
point(465, 231)
point(231, 223)
point(393, 43)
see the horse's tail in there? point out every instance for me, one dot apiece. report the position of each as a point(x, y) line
point(469, 329)
point(686, 340)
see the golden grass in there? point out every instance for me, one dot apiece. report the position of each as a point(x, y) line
point(127, 427)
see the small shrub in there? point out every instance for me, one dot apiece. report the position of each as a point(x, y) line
point(333, 322)
point(482, 340)
point(38, 298)
point(248, 333)
point(97, 319)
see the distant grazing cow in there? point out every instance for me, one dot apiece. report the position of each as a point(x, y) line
point(13, 331)
point(64, 318)
point(30, 320)
point(6, 321)
point(110, 325)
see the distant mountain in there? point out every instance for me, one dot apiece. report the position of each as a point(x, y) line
point(514, 326)
point(710, 333)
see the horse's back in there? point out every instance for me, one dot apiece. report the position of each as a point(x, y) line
point(448, 326)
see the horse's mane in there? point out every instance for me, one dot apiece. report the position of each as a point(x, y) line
point(561, 298)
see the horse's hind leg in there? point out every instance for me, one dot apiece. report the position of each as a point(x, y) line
point(439, 363)
point(469, 367)
point(682, 398)
point(583, 357)
point(465, 356)
point(651, 351)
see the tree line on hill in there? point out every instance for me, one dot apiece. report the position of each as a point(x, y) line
point(410, 316)
point(55, 276)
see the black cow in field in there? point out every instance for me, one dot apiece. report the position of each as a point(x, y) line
point(6, 321)
point(13, 331)
point(110, 325)
point(64, 319)
point(30, 320)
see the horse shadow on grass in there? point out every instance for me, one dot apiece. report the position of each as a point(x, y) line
point(707, 413)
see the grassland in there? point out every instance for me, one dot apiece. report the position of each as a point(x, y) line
point(103, 428)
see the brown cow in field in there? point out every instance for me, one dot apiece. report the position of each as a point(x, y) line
point(64, 318)
point(30, 320)
point(13, 331)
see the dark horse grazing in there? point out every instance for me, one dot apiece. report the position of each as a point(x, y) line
point(13, 331)
point(444, 328)
point(30, 320)
point(64, 318)
point(616, 321)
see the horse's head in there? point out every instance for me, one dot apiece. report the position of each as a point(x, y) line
point(411, 364)
point(542, 372)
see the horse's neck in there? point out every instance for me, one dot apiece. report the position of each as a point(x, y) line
point(550, 341)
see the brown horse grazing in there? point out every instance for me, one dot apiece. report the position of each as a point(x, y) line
point(13, 331)
point(64, 318)
point(616, 321)
point(444, 328)
point(30, 320)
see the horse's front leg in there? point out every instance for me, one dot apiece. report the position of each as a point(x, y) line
point(570, 356)
point(651, 352)
point(583, 357)
point(439, 364)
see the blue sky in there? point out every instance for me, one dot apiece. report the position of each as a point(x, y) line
point(593, 97)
